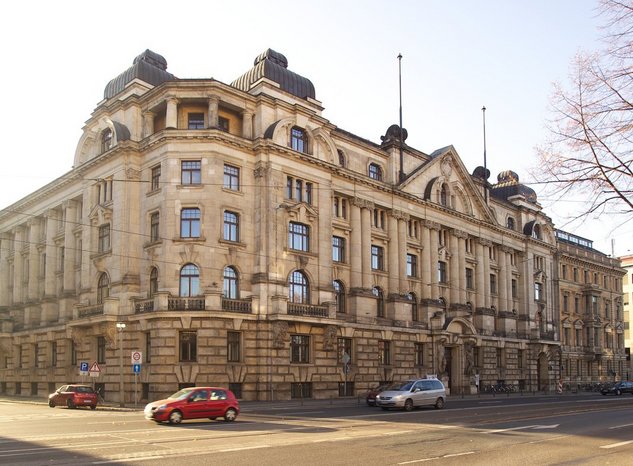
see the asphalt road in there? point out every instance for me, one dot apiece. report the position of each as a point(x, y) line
point(588, 430)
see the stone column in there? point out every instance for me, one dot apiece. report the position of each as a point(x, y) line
point(366, 244)
point(148, 123)
point(394, 263)
point(356, 247)
point(426, 265)
point(435, 289)
point(213, 104)
point(507, 270)
point(479, 277)
point(69, 247)
point(33, 285)
point(18, 264)
point(503, 281)
point(455, 272)
point(461, 241)
point(4, 271)
point(247, 124)
point(171, 116)
point(402, 252)
point(50, 278)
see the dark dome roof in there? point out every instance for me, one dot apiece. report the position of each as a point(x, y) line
point(274, 66)
point(508, 185)
point(148, 66)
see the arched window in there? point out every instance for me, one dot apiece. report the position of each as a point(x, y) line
point(341, 158)
point(298, 139)
point(375, 172)
point(380, 301)
point(189, 281)
point(153, 281)
point(444, 195)
point(339, 293)
point(414, 307)
point(103, 288)
point(298, 288)
point(510, 223)
point(230, 289)
point(536, 232)
point(106, 140)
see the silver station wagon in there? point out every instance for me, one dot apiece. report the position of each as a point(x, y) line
point(413, 393)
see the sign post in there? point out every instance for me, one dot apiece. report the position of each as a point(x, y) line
point(137, 360)
point(346, 360)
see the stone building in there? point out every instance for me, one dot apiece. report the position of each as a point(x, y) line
point(591, 313)
point(245, 240)
point(627, 289)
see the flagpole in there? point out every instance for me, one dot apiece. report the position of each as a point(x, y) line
point(401, 173)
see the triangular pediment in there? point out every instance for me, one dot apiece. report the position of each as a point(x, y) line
point(301, 212)
point(100, 214)
point(445, 181)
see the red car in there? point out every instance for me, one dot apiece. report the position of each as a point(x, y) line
point(194, 403)
point(370, 398)
point(73, 396)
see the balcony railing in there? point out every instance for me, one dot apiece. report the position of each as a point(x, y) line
point(189, 304)
point(311, 310)
point(87, 311)
point(237, 305)
point(147, 305)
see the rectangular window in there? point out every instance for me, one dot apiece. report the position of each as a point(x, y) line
point(54, 354)
point(104, 238)
point(300, 390)
point(236, 388)
point(73, 353)
point(412, 265)
point(188, 346)
point(231, 226)
point(191, 172)
point(233, 347)
point(195, 121)
point(231, 178)
point(344, 346)
point(377, 258)
point(298, 237)
point(338, 249)
point(190, 223)
point(470, 283)
point(300, 349)
point(153, 227)
point(340, 207)
point(520, 358)
point(493, 283)
point(563, 271)
point(514, 286)
point(145, 391)
point(155, 184)
point(148, 347)
point(298, 139)
point(384, 352)
point(36, 350)
point(419, 354)
point(300, 190)
point(538, 291)
point(101, 350)
point(223, 124)
point(346, 388)
point(500, 361)
point(565, 303)
point(441, 272)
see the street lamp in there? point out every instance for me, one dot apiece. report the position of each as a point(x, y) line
point(120, 326)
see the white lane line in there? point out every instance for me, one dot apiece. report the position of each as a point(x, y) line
point(244, 448)
point(615, 445)
point(489, 402)
point(129, 460)
point(438, 457)
point(549, 439)
point(495, 431)
point(620, 427)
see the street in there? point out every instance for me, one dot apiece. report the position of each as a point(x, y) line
point(589, 429)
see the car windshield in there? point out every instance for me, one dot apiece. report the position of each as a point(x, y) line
point(83, 389)
point(181, 394)
point(403, 387)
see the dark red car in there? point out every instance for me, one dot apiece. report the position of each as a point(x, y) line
point(73, 396)
point(370, 399)
point(194, 403)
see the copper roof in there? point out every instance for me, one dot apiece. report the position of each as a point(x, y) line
point(149, 67)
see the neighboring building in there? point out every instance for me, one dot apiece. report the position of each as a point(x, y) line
point(591, 313)
point(627, 289)
point(245, 240)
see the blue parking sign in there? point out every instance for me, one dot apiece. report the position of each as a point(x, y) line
point(84, 366)
point(136, 368)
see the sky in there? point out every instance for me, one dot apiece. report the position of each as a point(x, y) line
point(458, 56)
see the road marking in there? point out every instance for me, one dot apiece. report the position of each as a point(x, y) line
point(129, 460)
point(452, 455)
point(489, 402)
point(255, 447)
point(615, 445)
point(620, 427)
point(534, 427)
point(549, 439)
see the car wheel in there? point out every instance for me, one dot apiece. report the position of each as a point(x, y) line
point(439, 403)
point(93, 407)
point(230, 415)
point(51, 403)
point(70, 404)
point(408, 405)
point(175, 417)
point(618, 392)
point(212, 418)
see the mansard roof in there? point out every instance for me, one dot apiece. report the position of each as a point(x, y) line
point(274, 66)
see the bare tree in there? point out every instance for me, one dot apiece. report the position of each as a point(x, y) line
point(589, 154)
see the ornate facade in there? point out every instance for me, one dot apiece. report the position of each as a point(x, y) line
point(591, 313)
point(245, 240)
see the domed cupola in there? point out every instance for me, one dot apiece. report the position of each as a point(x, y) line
point(508, 186)
point(149, 67)
point(274, 66)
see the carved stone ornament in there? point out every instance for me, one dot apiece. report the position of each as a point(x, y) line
point(77, 335)
point(329, 337)
point(280, 334)
point(447, 166)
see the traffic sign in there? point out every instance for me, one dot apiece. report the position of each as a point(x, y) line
point(137, 357)
point(136, 368)
point(95, 370)
point(84, 367)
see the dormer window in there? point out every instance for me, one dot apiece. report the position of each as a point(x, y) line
point(341, 158)
point(536, 232)
point(106, 140)
point(510, 223)
point(375, 172)
point(195, 120)
point(298, 139)
point(444, 195)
